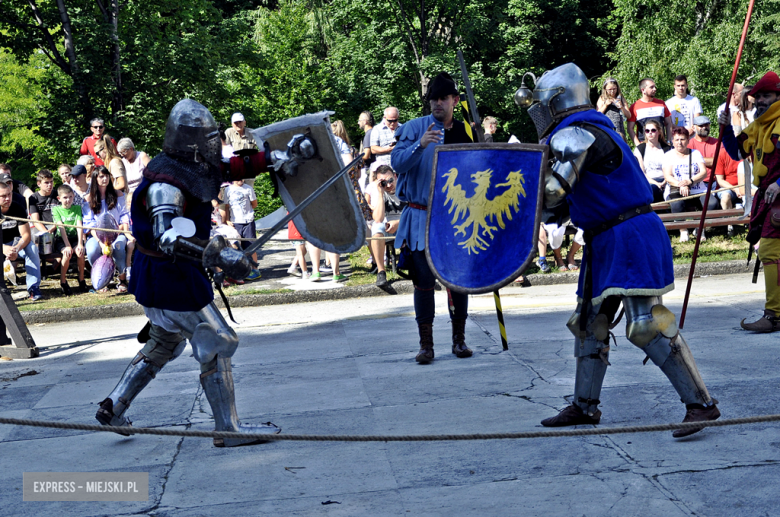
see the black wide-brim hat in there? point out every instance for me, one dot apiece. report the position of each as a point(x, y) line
point(441, 86)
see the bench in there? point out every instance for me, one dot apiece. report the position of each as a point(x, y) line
point(686, 220)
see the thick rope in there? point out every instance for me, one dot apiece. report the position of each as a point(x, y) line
point(398, 438)
point(22, 219)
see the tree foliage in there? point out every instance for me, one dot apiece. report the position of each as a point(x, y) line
point(661, 39)
point(130, 62)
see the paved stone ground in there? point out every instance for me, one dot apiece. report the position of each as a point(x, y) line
point(348, 367)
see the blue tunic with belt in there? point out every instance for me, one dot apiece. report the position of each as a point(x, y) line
point(165, 283)
point(633, 258)
point(414, 165)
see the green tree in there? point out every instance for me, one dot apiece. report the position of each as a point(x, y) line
point(21, 108)
point(661, 39)
point(127, 63)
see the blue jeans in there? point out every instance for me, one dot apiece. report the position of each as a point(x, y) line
point(119, 252)
point(32, 263)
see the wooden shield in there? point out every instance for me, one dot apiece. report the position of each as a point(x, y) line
point(484, 211)
point(333, 222)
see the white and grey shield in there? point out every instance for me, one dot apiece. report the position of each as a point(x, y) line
point(333, 222)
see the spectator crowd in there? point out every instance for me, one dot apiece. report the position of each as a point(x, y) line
point(671, 141)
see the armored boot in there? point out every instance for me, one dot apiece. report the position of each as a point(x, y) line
point(459, 347)
point(425, 355)
point(676, 361)
point(138, 374)
point(587, 389)
point(769, 322)
point(218, 387)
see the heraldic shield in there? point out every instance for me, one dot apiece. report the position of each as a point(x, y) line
point(484, 211)
point(333, 222)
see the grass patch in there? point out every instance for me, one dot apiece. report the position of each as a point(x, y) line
point(54, 299)
point(718, 247)
point(361, 272)
point(233, 291)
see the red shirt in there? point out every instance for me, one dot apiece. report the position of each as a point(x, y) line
point(727, 167)
point(642, 112)
point(656, 108)
point(88, 147)
point(706, 148)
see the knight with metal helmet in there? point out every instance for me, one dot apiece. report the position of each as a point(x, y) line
point(176, 293)
point(627, 256)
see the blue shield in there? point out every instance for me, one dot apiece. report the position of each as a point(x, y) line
point(484, 211)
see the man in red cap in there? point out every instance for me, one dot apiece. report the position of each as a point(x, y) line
point(760, 141)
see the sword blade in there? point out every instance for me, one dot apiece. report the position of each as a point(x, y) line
point(298, 209)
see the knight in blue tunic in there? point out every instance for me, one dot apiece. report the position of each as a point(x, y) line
point(627, 255)
point(176, 293)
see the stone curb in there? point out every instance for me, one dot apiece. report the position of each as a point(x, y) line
point(364, 291)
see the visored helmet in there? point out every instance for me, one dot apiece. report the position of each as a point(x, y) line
point(557, 94)
point(191, 134)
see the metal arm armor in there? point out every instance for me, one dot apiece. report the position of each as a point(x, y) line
point(164, 202)
point(248, 165)
point(569, 147)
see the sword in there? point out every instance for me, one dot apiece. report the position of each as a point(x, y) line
point(301, 206)
point(481, 138)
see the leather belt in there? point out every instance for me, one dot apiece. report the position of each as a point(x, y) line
point(151, 253)
point(625, 216)
point(418, 207)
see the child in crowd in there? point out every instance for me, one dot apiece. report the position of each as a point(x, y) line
point(241, 202)
point(69, 213)
point(220, 227)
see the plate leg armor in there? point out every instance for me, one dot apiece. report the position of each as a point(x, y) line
point(218, 385)
point(213, 343)
point(138, 374)
point(160, 347)
point(591, 349)
point(592, 353)
point(652, 327)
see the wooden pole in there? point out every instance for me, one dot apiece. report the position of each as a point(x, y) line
point(715, 165)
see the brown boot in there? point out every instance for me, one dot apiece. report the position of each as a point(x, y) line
point(769, 322)
point(572, 415)
point(459, 347)
point(697, 413)
point(425, 355)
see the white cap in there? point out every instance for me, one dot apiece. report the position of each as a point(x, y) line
point(237, 117)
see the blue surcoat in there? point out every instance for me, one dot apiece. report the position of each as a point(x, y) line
point(165, 283)
point(633, 258)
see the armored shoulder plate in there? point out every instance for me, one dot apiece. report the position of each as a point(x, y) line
point(164, 202)
point(570, 148)
point(571, 144)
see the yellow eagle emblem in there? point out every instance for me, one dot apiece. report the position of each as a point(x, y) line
point(478, 210)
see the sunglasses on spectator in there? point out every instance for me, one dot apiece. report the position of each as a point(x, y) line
point(98, 127)
point(391, 120)
point(651, 131)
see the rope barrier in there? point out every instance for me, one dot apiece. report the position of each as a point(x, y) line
point(395, 438)
point(22, 219)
